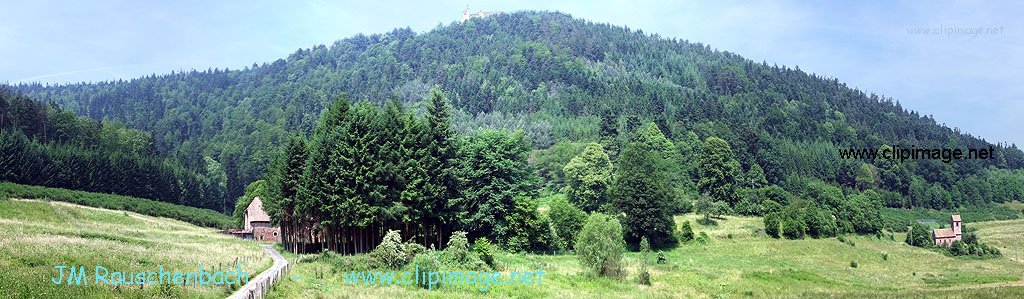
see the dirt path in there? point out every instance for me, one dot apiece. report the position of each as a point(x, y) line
point(259, 286)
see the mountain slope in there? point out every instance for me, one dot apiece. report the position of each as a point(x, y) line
point(553, 76)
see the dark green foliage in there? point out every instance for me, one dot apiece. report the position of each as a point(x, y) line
point(919, 235)
point(853, 264)
point(642, 192)
point(773, 224)
point(525, 229)
point(600, 246)
point(820, 223)
point(567, 221)
point(43, 145)
point(197, 216)
point(589, 177)
point(686, 232)
point(494, 173)
point(718, 171)
point(794, 225)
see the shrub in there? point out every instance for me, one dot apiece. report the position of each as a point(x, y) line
point(820, 223)
point(703, 238)
point(457, 252)
point(482, 247)
point(526, 229)
point(686, 232)
point(661, 258)
point(885, 256)
point(567, 220)
point(853, 264)
point(600, 246)
point(412, 249)
point(391, 252)
point(428, 262)
point(681, 204)
point(793, 228)
point(772, 225)
point(769, 206)
point(645, 277)
point(919, 235)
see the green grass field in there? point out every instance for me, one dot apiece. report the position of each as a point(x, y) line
point(38, 235)
point(748, 264)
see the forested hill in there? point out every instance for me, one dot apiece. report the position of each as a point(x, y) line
point(43, 145)
point(557, 78)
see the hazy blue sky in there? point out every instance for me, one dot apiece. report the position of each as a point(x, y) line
point(966, 80)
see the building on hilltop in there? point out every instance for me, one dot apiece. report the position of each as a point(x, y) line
point(257, 224)
point(946, 236)
point(480, 14)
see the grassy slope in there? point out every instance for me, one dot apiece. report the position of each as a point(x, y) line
point(39, 235)
point(749, 264)
point(197, 216)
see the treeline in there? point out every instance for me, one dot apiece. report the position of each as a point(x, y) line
point(564, 82)
point(369, 169)
point(43, 145)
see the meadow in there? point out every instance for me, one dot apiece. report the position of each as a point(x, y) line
point(39, 235)
point(737, 260)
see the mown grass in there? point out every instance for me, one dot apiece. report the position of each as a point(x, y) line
point(197, 216)
point(39, 235)
point(749, 264)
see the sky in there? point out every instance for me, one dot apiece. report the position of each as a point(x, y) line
point(961, 62)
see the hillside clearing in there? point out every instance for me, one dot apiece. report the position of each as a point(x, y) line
point(39, 235)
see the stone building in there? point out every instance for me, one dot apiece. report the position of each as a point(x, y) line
point(946, 236)
point(257, 224)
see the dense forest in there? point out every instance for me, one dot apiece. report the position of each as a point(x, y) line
point(41, 144)
point(565, 83)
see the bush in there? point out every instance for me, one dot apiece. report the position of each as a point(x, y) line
point(428, 262)
point(661, 258)
point(703, 238)
point(885, 256)
point(793, 228)
point(772, 225)
point(770, 206)
point(600, 246)
point(820, 223)
point(391, 252)
point(919, 235)
point(412, 249)
point(853, 264)
point(645, 277)
point(681, 204)
point(686, 232)
point(526, 229)
point(567, 220)
point(482, 247)
point(457, 252)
